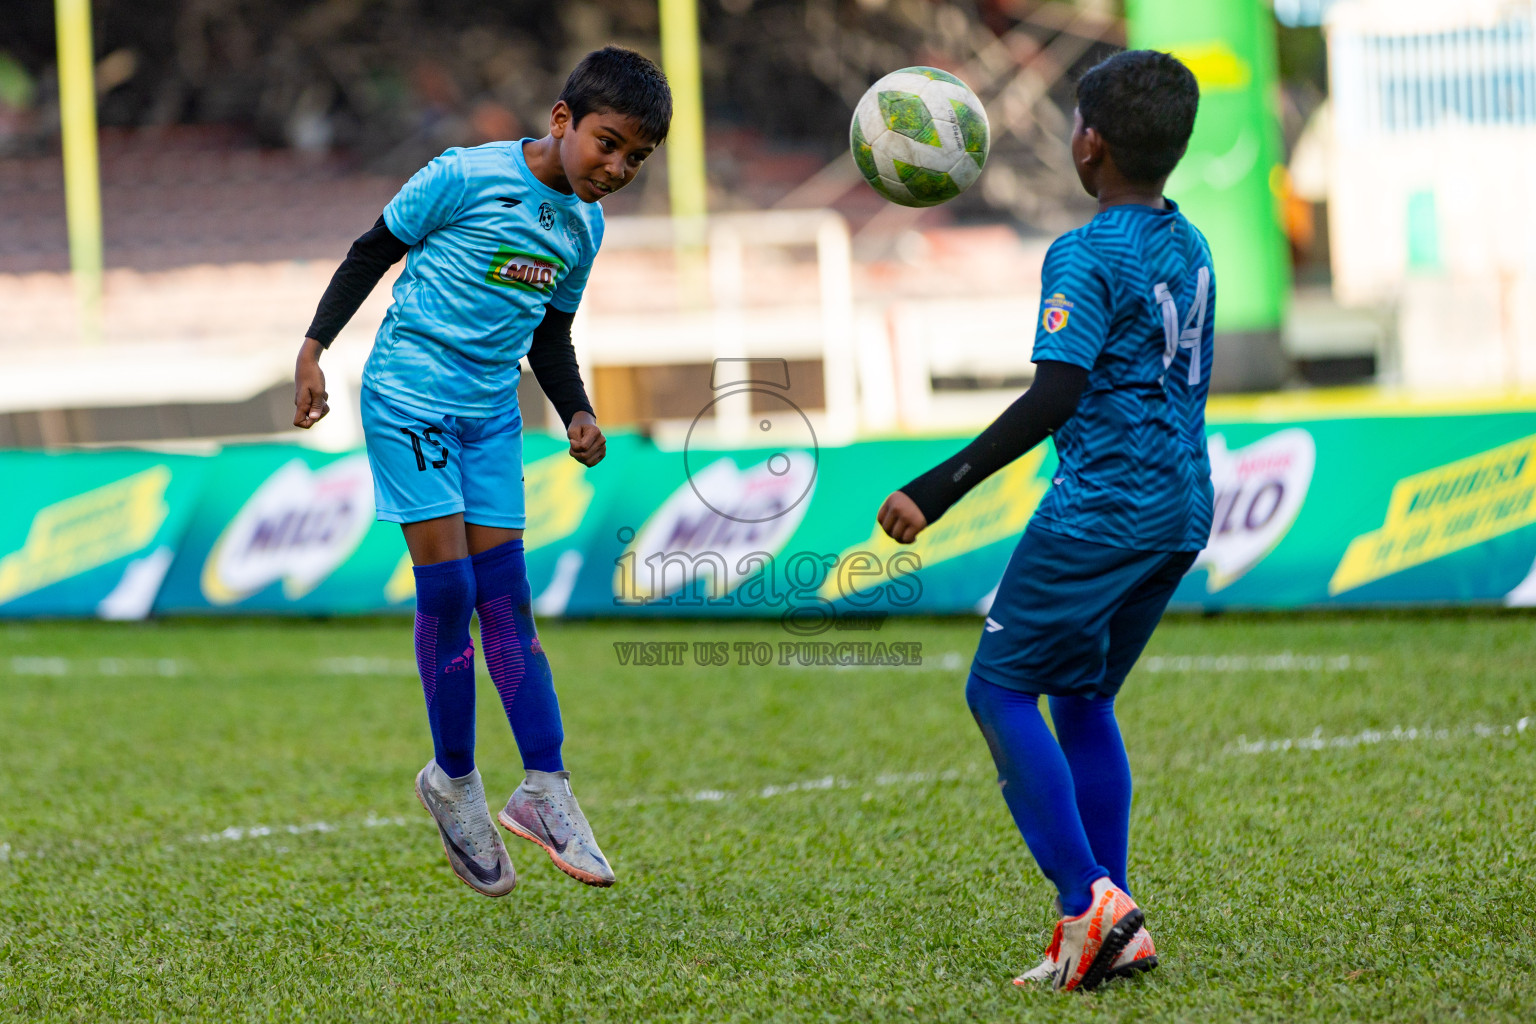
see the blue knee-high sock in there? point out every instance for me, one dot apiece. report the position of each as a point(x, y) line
point(515, 658)
point(1037, 784)
point(445, 599)
point(1090, 739)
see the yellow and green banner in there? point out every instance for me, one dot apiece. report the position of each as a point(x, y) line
point(1316, 505)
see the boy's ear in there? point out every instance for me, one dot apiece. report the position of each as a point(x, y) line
point(1094, 147)
point(560, 119)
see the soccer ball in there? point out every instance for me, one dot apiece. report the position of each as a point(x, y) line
point(919, 136)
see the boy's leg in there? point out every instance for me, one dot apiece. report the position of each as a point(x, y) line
point(1090, 735)
point(1101, 776)
point(1049, 632)
point(1037, 785)
point(1091, 741)
point(493, 502)
point(514, 656)
point(445, 598)
point(543, 809)
point(417, 484)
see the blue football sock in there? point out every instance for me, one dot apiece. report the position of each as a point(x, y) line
point(445, 599)
point(515, 658)
point(1090, 739)
point(1037, 784)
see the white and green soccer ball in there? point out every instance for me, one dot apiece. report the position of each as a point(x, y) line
point(919, 136)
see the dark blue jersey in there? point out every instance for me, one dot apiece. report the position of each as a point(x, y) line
point(1131, 298)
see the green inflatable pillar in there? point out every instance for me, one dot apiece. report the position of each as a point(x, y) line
point(1228, 182)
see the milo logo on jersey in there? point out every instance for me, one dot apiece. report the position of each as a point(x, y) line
point(1259, 492)
point(511, 268)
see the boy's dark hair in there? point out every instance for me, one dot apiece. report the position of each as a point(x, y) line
point(623, 82)
point(1143, 104)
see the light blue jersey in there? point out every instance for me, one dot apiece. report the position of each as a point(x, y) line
point(491, 246)
point(1131, 298)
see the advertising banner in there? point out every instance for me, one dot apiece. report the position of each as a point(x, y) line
point(91, 534)
point(285, 529)
point(1386, 510)
point(1359, 507)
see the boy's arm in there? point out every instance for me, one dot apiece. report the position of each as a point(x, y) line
point(1037, 413)
point(370, 256)
point(552, 357)
point(1077, 302)
point(553, 360)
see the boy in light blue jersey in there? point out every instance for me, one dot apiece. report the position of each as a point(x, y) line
point(498, 241)
point(1123, 355)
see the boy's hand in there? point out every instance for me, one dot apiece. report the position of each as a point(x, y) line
point(901, 519)
point(588, 445)
point(309, 395)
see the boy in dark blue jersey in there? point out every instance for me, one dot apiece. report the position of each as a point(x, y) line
point(1123, 355)
point(498, 242)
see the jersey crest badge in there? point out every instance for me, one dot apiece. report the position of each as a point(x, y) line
point(546, 216)
point(1057, 311)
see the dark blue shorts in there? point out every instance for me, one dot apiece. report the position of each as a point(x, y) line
point(1071, 617)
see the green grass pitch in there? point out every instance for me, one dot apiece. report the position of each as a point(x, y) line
point(215, 821)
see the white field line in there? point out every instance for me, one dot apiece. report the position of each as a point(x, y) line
point(359, 665)
point(237, 833)
point(1242, 745)
point(53, 666)
point(1371, 737)
point(948, 661)
point(1285, 661)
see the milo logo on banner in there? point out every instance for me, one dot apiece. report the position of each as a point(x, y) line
point(298, 527)
point(724, 524)
point(1259, 492)
point(1444, 510)
point(525, 270)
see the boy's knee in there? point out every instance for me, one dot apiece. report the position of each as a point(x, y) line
point(986, 699)
point(975, 697)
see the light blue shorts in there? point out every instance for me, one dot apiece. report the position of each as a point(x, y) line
point(430, 466)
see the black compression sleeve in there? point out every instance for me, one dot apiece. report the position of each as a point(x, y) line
point(370, 256)
point(1050, 402)
point(553, 359)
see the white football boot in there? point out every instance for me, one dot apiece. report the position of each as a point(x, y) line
point(1105, 941)
point(1138, 955)
point(474, 847)
point(543, 810)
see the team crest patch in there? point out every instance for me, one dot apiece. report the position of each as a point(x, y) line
point(1057, 311)
point(524, 270)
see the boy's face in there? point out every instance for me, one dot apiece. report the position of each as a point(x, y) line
point(602, 153)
